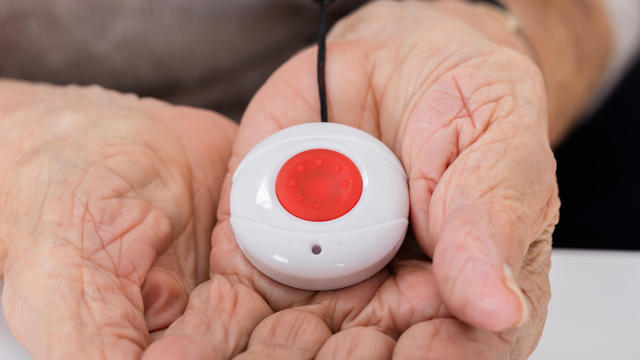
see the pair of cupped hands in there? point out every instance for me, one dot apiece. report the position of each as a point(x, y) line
point(114, 210)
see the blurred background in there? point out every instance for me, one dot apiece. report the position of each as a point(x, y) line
point(599, 174)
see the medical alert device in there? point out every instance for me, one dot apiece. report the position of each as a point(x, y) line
point(319, 206)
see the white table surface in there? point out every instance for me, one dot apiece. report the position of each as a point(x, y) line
point(594, 312)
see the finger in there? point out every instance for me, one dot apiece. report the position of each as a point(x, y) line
point(451, 339)
point(217, 322)
point(495, 200)
point(357, 343)
point(408, 297)
point(482, 187)
point(288, 334)
point(339, 308)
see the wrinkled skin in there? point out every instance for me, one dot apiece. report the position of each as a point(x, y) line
point(466, 116)
point(125, 214)
point(107, 216)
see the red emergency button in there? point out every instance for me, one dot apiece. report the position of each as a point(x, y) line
point(319, 185)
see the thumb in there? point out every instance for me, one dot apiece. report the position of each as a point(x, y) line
point(492, 203)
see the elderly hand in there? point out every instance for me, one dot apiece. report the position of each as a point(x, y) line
point(107, 203)
point(439, 84)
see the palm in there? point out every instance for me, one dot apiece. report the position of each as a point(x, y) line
point(466, 128)
point(126, 191)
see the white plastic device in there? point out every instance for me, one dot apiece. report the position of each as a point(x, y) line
point(319, 206)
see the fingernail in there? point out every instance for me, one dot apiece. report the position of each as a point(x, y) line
point(512, 284)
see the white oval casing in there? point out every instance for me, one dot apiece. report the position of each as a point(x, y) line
point(354, 246)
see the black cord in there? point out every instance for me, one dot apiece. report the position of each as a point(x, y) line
point(322, 55)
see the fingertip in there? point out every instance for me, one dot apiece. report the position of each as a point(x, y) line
point(177, 347)
point(479, 292)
